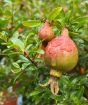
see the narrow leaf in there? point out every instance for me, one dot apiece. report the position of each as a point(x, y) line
point(83, 20)
point(31, 23)
point(3, 37)
point(15, 68)
point(40, 51)
point(17, 43)
point(54, 13)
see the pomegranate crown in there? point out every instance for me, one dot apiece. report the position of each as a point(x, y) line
point(65, 32)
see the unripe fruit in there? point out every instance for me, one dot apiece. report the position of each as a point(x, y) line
point(46, 32)
point(61, 53)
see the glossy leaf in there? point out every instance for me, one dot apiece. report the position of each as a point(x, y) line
point(18, 44)
point(54, 13)
point(32, 23)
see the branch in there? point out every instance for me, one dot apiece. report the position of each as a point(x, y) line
point(27, 56)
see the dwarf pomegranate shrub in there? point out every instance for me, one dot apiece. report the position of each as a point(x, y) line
point(61, 53)
point(24, 47)
point(46, 32)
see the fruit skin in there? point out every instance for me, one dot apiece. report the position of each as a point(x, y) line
point(61, 53)
point(20, 30)
point(10, 101)
point(46, 32)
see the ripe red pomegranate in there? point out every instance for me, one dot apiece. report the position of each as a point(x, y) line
point(61, 52)
point(46, 32)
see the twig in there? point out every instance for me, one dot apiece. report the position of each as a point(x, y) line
point(27, 56)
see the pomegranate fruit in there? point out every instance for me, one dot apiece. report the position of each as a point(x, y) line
point(46, 32)
point(20, 30)
point(10, 101)
point(61, 53)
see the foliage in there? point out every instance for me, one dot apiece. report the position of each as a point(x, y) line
point(19, 50)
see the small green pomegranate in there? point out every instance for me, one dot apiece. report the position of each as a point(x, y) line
point(61, 53)
point(46, 32)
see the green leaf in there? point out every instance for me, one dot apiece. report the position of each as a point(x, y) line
point(15, 68)
point(18, 44)
point(61, 19)
point(3, 22)
point(17, 76)
point(23, 59)
point(3, 37)
point(54, 13)
point(81, 20)
point(68, 15)
point(25, 65)
point(40, 51)
point(15, 65)
point(32, 23)
point(28, 39)
point(36, 92)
